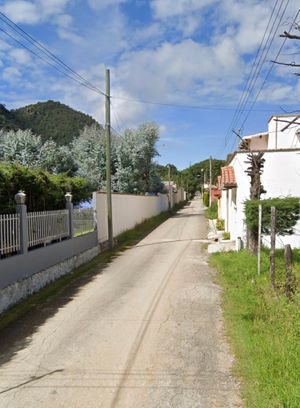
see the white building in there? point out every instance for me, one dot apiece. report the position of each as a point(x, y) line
point(280, 178)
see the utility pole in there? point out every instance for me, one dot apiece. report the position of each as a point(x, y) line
point(210, 177)
point(108, 160)
point(169, 178)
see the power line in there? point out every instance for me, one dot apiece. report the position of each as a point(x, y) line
point(251, 75)
point(251, 108)
point(40, 46)
point(39, 56)
point(54, 62)
point(268, 74)
point(174, 105)
point(263, 57)
point(241, 109)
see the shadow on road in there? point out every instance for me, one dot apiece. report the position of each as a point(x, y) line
point(46, 303)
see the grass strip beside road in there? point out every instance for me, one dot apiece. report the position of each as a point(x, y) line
point(95, 266)
point(212, 211)
point(263, 328)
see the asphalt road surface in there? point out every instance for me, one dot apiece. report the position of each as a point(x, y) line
point(146, 331)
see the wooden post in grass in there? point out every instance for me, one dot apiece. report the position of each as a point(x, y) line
point(289, 277)
point(273, 247)
point(259, 238)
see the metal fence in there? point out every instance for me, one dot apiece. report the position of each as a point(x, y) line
point(9, 233)
point(43, 228)
point(84, 221)
point(47, 226)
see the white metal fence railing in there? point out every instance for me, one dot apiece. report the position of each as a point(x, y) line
point(84, 221)
point(47, 226)
point(9, 233)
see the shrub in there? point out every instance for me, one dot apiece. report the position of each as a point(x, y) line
point(220, 224)
point(206, 198)
point(226, 235)
point(44, 191)
point(287, 214)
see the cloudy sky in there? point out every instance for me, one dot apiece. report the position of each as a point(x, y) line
point(196, 53)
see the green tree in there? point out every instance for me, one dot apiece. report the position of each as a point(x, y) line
point(89, 156)
point(135, 169)
point(27, 149)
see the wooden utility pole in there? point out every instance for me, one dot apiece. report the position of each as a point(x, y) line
point(169, 179)
point(259, 238)
point(210, 178)
point(273, 247)
point(108, 160)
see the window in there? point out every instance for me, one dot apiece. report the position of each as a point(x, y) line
point(233, 195)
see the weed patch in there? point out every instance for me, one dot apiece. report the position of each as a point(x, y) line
point(212, 211)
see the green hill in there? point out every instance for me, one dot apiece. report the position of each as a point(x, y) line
point(50, 120)
point(7, 119)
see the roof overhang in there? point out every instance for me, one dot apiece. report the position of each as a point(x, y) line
point(228, 179)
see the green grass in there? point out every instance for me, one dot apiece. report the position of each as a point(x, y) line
point(212, 211)
point(263, 327)
point(124, 240)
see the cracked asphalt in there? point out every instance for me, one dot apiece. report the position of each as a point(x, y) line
point(146, 331)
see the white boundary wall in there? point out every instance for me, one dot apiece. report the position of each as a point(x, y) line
point(128, 211)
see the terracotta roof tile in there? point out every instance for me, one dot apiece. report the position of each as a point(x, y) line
point(228, 177)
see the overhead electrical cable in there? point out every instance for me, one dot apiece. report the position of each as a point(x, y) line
point(247, 86)
point(251, 108)
point(46, 55)
point(262, 58)
point(179, 105)
point(268, 74)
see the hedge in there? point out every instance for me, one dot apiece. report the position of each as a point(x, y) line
point(287, 214)
point(44, 191)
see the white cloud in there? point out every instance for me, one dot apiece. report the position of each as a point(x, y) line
point(169, 8)
point(20, 56)
point(277, 91)
point(190, 53)
point(147, 34)
point(34, 11)
point(101, 4)
point(51, 7)
point(175, 71)
point(21, 11)
point(4, 45)
point(11, 74)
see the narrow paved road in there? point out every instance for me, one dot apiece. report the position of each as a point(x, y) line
point(147, 332)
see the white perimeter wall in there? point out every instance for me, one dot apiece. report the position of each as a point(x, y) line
point(130, 210)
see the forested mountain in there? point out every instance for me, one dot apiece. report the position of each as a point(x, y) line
point(50, 120)
point(192, 178)
point(7, 119)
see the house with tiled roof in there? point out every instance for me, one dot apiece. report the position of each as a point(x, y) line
point(280, 178)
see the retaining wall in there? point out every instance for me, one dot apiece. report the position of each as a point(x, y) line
point(24, 274)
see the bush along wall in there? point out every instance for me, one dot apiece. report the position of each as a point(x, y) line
point(287, 214)
point(44, 191)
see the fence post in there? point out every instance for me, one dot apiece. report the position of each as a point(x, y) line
point(259, 238)
point(21, 209)
point(289, 276)
point(273, 247)
point(69, 207)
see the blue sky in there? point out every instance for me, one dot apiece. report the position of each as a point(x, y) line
point(184, 52)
